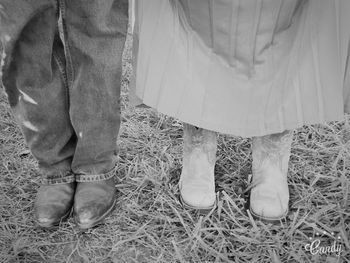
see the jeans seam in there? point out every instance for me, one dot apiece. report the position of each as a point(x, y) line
point(64, 39)
point(60, 66)
point(62, 70)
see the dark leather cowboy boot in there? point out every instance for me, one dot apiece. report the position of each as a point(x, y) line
point(94, 201)
point(53, 203)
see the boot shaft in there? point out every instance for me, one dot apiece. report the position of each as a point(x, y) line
point(274, 149)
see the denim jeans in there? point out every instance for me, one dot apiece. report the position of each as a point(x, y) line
point(61, 69)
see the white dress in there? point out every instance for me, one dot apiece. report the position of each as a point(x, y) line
point(246, 68)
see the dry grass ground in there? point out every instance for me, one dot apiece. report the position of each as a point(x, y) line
point(149, 224)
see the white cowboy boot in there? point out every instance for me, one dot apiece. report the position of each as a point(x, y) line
point(197, 183)
point(269, 195)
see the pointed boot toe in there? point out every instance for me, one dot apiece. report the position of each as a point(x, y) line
point(94, 201)
point(53, 204)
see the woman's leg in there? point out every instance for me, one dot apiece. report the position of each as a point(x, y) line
point(197, 185)
point(270, 195)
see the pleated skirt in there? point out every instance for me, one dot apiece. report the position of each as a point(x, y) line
point(246, 68)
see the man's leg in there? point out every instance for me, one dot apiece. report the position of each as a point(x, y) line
point(33, 77)
point(95, 33)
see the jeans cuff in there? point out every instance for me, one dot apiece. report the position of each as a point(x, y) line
point(62, 178)
point(94, 177)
